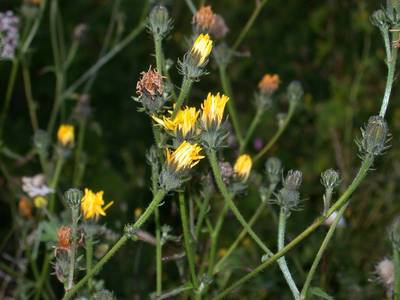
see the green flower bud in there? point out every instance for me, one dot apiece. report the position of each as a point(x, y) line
point(379, 19)
point(330, 179)
point(293, 180)
point(374, 136)
point(41, 141)
point(295, 92)
point(73, 197)
point(159, 23)
point(273, 169)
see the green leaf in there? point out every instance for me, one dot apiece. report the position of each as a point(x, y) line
point(316, 291)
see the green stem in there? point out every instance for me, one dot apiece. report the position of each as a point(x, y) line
point(54, 182)
point(188, 241)
point(72, 252)
point(158, 253)
point(185, 89)
point(43, 276)
point(282, 261)
point(222, 188)
point(231, 104)
point(123, 239)
point(201, 216)
point(105, 59)
point(249, 24)
point(29, 97)
point(396, 258)
point(89, 259)
point(391, 62)
point(320, 252)
point(159, 54)
point(250, 131)
point(365, 166)
point(277, 135)
point(78, 169)
point(10, 88)
point(191, 6)
point(243, 233)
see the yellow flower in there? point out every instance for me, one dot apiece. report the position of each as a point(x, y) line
point(184, 122)
point(40, 202)
point(66, 134)
point(242, 166)
point(202, 48)
point(186, 156)
point(213, 110)
point(93, 204)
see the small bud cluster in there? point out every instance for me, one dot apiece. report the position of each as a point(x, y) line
point(288, 197)
point(9, 35)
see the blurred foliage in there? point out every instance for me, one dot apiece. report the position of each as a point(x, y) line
point(330, 46)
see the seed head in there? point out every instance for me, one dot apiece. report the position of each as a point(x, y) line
point(150, 84)
point(386, 274)
point(203, 19)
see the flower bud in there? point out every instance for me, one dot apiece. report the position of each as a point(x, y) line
point(66, 135)
point(73, 197)
point(40, 202)
point(374, 136)
point(288, 199)
point(243, 166)
point(159, 23)
point(394, 233)
point(293, 180)
point(273, 169)
point(294, 92)
point(330, 179)
point(380, 19)
point(41, 141)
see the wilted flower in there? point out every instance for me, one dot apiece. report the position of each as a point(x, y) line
point(9, 34)
point(201, 49)
point(35, 186)
point(40, 201)
point(25, 207)
point(269, 84)
point(242, 167)
point(66, 135)
point(219, 29)
point(386, 273)
point(92, 204)
point(64, 237)
point(203, 19)
point(226, 171)
point(213, 110)
point(150, 89)
point(184, 123)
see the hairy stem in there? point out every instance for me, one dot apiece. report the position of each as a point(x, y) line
point(282, 261)
point(89, 258)
point(72, 252)
point(250, 131)
point(185, 90)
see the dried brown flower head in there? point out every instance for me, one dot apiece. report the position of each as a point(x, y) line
point(219, 29)
point(25, 207)
point(269, 83)
point(150, 84)
point(204, 19)
point(64, 238)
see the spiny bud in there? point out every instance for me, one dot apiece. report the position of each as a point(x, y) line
point(159, 22)
point(288, 199)
point(294, 92)
point(273, 169)
point(293, 180)
point(380, 19)
point(374, 136)
point(73, 197)
point(330, 179)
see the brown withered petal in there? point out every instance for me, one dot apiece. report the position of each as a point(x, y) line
point(219, 29)
point(64, 238)
point(150, 83)
point(25, 207)
point(204, 18)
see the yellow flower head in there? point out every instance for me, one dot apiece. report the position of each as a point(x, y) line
point(66, 134)
point(92, 204)
point(183, 123)
point(186, 156)
point(242, 167)
point(40, 202)
point(201, 49)
point(213, 110)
